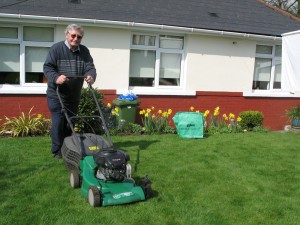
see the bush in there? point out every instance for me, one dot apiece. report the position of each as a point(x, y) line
point(251, 119)
point(127, 129)
point(88, 107)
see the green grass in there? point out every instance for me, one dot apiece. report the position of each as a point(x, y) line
point(251, 178)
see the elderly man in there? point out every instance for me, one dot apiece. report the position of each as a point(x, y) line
point(66, 60)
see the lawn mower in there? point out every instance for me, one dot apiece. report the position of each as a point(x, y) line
point(95, 165)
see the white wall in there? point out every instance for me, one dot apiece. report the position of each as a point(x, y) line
point(211, 63)
point(219, 63)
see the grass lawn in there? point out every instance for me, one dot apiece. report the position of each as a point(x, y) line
point(228, 179)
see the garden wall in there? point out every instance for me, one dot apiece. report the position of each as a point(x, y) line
point(229, 102)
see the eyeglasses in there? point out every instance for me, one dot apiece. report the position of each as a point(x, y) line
point(79, 37)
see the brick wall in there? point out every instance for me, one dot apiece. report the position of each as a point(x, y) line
point(272, 108)
point(13, 105)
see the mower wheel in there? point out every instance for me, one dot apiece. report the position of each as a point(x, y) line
point(146, 186)
point(94, 196)
point(74, 179)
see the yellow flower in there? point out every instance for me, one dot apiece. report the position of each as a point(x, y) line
point(108, 105)
point(231, 116)
point(153, 116)
point(170, 111)
point(192, 108)
point(152, 108)
point(197, 111)
point(142, 112)
point(206, 113)
point(117, 109)
point(39, 116)
point(216, 111)
point(146, 114)
point(165, 114)
point(159, 111)
point(148, 110)
point(225, 116)
point(113, 112)
point(239, 119)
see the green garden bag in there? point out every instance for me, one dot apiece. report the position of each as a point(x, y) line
point(189, 124)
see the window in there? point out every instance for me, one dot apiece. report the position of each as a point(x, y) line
point(155, 60)
point(267, 71)
point(9, 63)
point(23, 51)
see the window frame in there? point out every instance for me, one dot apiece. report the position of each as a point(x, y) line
point(274, 60)
point(23, 87)
point(160, 89)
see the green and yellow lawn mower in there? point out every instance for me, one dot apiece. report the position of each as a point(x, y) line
point(100, 170)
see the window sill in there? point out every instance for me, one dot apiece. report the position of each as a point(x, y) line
point(272, 94)
point(175, 92)
point(17, 89)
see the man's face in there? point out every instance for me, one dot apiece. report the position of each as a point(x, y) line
point(74, 38)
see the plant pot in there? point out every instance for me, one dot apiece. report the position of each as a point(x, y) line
point(296, 123)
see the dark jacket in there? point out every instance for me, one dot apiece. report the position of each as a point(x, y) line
point(61, 60)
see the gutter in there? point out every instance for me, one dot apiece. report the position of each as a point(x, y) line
point(122, 24)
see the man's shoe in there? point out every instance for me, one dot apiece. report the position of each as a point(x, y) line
point(58, 155)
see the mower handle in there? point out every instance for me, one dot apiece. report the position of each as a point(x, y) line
point(97, 105)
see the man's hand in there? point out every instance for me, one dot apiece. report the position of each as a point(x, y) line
point(61, 79)
point(89, 79)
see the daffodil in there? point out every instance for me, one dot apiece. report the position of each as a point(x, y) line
point(192, 108)
point(239, 119)
point(231, 116)
point(225, 116)
point(159, 111)
point(108, 105)
point(216, 111)
point(206, 113)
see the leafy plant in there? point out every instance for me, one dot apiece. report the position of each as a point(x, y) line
point(251, 119)
point(26, 125)
point(293, 112)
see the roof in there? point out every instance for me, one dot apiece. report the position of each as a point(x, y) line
point(243, 16)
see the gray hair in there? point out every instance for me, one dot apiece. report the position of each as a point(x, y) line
point(74, 27)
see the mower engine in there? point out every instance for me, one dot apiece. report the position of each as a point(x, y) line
point(112, 165)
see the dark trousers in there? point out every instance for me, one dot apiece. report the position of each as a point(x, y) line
point(60, 128)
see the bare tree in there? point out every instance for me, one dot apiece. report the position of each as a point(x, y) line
point(291, 6)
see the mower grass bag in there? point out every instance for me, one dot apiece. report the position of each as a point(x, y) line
point(189, 124)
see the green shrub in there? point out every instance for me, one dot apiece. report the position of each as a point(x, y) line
point(127, 129)
point(251, 119)
point(88, 107)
